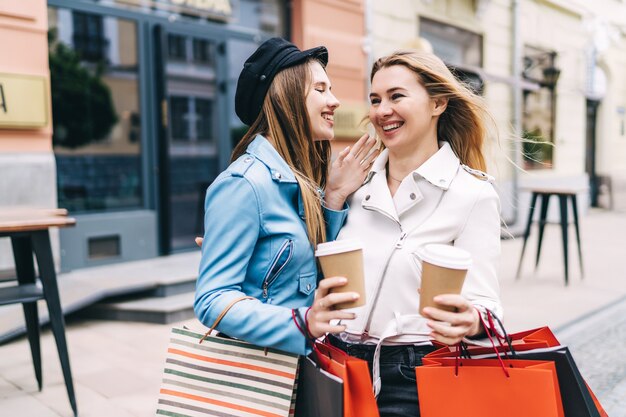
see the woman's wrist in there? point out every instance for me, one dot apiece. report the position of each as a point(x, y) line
point(477, 327)
point(334, 200)
point(307, 325)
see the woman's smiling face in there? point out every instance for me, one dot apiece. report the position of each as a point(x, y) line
point(401, 110)
point(321, 104)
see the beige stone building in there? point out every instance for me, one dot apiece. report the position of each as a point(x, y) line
point(551, 71)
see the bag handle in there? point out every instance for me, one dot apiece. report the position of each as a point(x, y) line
point(223, 313)
point(505, 335)
point(493, 344)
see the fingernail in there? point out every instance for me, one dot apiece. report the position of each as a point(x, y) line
point(355, 296)
point(437, 299)
point(343, 280)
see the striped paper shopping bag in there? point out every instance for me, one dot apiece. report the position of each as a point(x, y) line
point(225, 377)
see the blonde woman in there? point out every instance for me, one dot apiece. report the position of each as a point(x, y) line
point(266, 212)
point(425, 187)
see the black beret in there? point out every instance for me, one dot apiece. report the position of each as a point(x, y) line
point(269, 59)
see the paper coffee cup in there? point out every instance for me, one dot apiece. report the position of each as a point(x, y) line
point(443, 271)
point(344, 258)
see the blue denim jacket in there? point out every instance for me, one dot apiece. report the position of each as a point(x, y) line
point(255, 244)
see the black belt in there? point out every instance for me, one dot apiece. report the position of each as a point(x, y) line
point(388, 353)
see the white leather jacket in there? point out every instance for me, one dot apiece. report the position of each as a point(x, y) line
point(441, 202)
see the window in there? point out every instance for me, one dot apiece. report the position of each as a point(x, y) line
point(176, 47)
point(179, 108)
point(88, 37)
point(95, 111)
point(203, 51)
point(204, 110)
point(455, 46)
point(191, 119)
point(460, 49)
point(539, 107)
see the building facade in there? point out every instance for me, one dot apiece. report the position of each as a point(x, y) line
point(129, 112)
point(550, 73)
point(136, 109)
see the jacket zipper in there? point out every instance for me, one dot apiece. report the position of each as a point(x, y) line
point(269, 278)
point(398, 245)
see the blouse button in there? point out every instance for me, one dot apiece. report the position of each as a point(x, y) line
point(308, 287)
point(247, 160)
point(367, 197)
point(277, 175)
point(412, 196)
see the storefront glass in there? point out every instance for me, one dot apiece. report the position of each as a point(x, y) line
point(191, 91)
point(143, 107)
point(95, 109)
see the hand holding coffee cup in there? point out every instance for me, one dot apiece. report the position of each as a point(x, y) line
point(344, 258)
point(443, 272)
point(323, 311)
point(451, 316)
point(451, 327)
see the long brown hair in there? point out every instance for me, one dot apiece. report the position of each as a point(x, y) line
point(463, 123)
point(285, 119)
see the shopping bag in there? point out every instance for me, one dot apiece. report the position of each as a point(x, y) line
point(320, 394)
point(578, 399)
point(539, 344)
point(358, 393)
point(211, 375)
point(488, 388)
point(538, 338)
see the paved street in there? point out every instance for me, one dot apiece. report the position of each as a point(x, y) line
point(597, 344)
point(117, 366)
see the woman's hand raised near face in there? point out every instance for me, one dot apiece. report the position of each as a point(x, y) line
point(348, 171)
point(321, 312)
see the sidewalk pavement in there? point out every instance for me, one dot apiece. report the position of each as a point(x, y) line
point(117, 366)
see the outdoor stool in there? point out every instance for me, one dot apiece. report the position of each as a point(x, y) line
point(563, 195)
point(28, 231)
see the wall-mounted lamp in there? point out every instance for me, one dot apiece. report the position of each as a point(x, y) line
point(550, 72)
point(545, 61)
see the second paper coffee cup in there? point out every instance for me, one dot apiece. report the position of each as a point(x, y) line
point(443, 272)
point(344, 258)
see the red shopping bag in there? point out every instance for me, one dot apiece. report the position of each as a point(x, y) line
point(538, 338)
point(488, 388)
point(537, 344)
point(358, 394)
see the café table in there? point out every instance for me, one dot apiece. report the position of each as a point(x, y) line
point(29, 231)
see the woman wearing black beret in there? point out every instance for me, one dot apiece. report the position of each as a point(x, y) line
point(277, 200)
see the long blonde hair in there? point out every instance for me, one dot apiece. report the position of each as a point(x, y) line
point(463, 123)
point(285, 119)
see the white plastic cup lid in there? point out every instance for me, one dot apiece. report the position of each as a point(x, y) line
point(338, 246)
point(446, 256)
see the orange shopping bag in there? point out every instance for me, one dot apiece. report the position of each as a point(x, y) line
point(358, 394)
point(538, 345)
point(488, 388)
